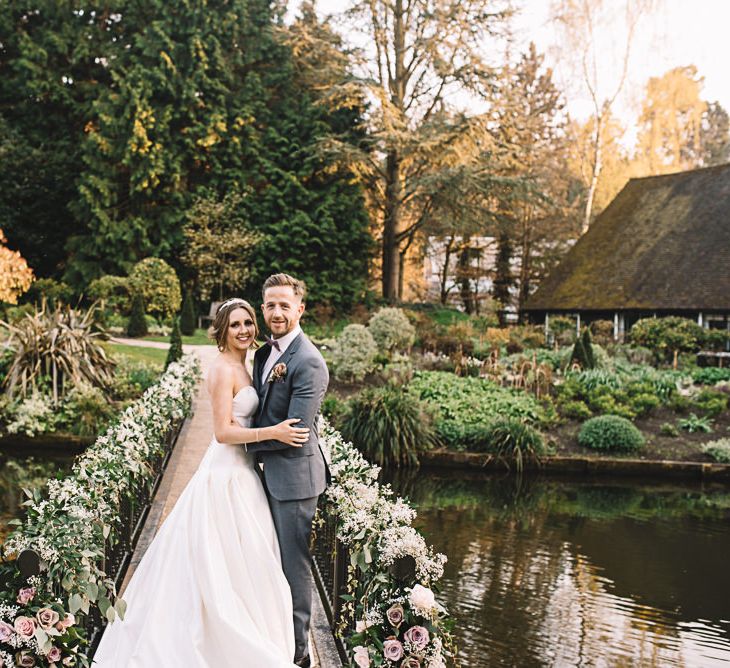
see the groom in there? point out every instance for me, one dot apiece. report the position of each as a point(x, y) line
point(291, 378)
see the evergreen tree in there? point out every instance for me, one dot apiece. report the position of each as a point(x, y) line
point(588, 347)
point(207, 100)
point(52, 69)
point(188, 321)
point(137, 325)
point(583, 351)
point(503, 279)
point(175, 351)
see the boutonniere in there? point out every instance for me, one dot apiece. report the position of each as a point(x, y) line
point(278, 373)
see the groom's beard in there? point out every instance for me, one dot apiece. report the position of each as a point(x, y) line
point(281, 328)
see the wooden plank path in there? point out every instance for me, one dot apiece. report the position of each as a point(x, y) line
point(191, 445)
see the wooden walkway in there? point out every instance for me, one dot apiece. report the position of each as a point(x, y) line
point(189, 450)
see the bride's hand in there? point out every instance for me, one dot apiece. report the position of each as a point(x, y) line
point(287, 433)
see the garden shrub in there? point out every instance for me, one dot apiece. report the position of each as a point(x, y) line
point(710, 375)
point(158, 283)
point(711, 402)
point(137, 325)
point(460, 403)
point(610, 433)
point(86, 410)
point(668, 429)
point(719, 450)
point(388, 425)
point(574, 409)
point(353, 356)
point(132, 378)
point(392, 330)
point(667, 337)
point(509, 439)
point(524, 337)
point(32, 415)
point(715, 339)
point(631, 353)
point(54, 293)
point(175, 351)
point(112, 291)
point(188, 320)
point(563, 329)
point(333, 408)
point(602, 331)
point(643, 403)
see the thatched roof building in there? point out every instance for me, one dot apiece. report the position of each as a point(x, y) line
point(662, 247)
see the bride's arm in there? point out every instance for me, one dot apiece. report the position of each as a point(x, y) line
point(227, 430)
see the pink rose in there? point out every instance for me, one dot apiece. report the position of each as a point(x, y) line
point(25, 626)
point(68, 620)
point(392, 650)
point(24, 660)
point(410, 662)
point(417, 637)
point(395, 614)
point(362, 658)
point(54, 655)
point(26, 595)
point(6, 631)
point(47, 618)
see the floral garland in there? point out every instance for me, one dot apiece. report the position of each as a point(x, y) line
point(69, 528)
point(396, 623)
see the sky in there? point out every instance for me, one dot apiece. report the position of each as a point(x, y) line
point(677, 33)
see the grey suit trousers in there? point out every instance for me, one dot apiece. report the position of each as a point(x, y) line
point(293, 522)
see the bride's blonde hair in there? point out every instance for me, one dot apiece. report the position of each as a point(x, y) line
point(219, 329)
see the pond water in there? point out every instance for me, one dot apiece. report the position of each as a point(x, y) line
point(559, 572)
point(18, 473)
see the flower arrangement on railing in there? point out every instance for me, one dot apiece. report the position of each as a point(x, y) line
point(397, 620)
point(69, 527)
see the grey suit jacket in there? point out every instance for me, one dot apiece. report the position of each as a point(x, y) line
point(292, 473)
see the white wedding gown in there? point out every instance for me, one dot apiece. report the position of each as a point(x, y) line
point(209, 592)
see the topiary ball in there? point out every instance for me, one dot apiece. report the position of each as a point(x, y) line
point(610, 433)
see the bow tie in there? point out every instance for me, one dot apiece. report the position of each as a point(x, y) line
point(273, 343)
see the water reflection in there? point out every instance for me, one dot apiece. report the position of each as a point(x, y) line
point(581, 573)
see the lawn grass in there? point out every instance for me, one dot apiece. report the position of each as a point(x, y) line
point(156, 356)
point(200, 338)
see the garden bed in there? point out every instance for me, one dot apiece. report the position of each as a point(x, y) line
point(687, 447)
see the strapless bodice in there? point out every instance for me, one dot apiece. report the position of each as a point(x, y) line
point(245, 404)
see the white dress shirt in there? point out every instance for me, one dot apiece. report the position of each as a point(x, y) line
point(275, 354)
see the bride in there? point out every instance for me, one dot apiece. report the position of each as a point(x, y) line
point(209, 592)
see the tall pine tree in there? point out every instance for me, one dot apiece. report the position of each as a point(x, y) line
point(208, 99)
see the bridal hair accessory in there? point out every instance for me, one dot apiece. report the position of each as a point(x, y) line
point(233, 300)
point(278, 373)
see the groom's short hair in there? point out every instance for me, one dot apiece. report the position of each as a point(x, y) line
point(277, 280)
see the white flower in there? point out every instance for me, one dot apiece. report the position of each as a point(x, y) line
point(422, 599)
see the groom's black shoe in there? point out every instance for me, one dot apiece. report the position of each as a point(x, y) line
point(304, 662)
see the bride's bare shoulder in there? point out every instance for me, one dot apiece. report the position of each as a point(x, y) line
point(220, 372)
